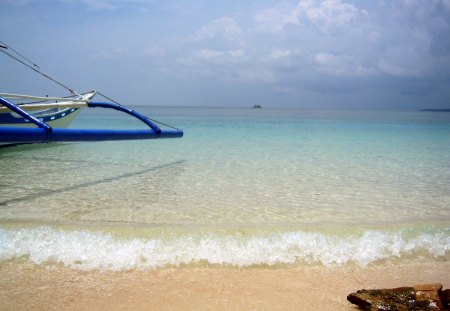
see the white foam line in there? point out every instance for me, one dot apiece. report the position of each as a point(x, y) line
point(96, 250)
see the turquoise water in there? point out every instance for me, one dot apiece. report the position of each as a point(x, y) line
point(243, 187)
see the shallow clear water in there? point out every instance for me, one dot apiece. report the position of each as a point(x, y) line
point(242, 187)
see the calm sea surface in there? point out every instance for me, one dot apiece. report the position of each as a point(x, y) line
point(243, 187)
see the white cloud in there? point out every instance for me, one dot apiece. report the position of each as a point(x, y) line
point(237, 53)
point(312, 38)
point(413, 37)
point(224, 27)
point(342, 65)
point(323, 14)
point(209, 54)
point(276, 18)
point(327, 59)
point(284, 46)
point(329, 12)
point(278, 54)
point(219, 55)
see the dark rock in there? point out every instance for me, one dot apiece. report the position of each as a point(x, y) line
point(445, 298)
point(420, 297)
point(430, 293)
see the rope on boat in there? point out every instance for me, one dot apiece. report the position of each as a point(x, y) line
point(153, 120)
point(5, 46)
point(32, 66)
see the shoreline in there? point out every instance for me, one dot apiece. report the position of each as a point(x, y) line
point(25, 286)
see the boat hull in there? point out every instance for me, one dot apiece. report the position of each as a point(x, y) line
point(58, 118)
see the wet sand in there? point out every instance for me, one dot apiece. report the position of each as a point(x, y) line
point(25, 286)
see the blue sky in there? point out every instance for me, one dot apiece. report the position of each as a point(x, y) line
point(332, 54)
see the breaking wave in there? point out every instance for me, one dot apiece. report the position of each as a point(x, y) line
point(98, 250)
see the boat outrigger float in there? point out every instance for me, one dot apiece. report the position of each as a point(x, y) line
point(41, 121)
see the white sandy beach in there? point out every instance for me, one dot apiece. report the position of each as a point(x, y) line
point(29, 287)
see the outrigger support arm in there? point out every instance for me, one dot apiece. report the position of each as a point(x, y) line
point(133, 113)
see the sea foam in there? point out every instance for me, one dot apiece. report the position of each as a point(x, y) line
point(89, 250)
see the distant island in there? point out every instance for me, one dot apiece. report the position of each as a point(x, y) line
point(436, 110)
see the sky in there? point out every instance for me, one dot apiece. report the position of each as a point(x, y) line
point(331, 54)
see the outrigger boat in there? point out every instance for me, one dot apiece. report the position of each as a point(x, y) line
point(19, 125)
point(37, 119)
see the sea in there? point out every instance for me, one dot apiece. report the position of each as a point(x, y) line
point(243, 188)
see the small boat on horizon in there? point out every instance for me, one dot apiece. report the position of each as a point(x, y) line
point(257, 106)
